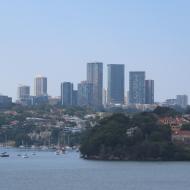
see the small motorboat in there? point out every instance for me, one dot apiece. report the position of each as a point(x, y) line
point(77, 150)
point(25, 156)
point(60, 151)
point(4, 155)
point(22, 146)
point(57, 153)
point(33, 147)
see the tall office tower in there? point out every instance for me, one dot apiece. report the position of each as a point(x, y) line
point(23, 92)
point(182, 100)
point(95, 76)
point(67, 94)
point(104, 97)
point(137, 87)
point(116, 84)
point(85, 94)
point(40, 86)
point(75, 97)
point(149, 91)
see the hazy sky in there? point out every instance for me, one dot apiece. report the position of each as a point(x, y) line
point(56, 38)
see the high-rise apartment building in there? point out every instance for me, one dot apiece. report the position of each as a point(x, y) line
point(23, 92)
point(40, 86)
point(95, 76)
point(137, 87)
point(182, 100)
point(85, 94)
point(67, 94)
point(149, 91)
point(116, 84)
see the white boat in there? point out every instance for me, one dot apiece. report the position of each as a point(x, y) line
point(60, 151)
point(33, 147)
point(44, 148)
point(57, 153)
point(68, 148)
point(25, 156)
point(22, 146)
point(77, 150)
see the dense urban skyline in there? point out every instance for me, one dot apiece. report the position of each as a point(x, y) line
point(94, 94)
point(91, 93)
point(140, 90)
point(47, 38)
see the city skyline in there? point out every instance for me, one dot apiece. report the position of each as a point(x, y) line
point(47, 38)
point(44, 86)
point(94, 94)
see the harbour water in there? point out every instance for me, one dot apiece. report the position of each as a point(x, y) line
point(47, 171)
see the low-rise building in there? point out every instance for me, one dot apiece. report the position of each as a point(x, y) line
point(181, 137)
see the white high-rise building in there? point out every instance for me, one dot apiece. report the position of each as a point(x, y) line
point(40, 86)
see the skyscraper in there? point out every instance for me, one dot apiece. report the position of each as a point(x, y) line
point(24, 95)
point(182, 100)
point(137, 87)
point(116, 84)
point(67, 94)
point(40, 86)
point(149, 92)
point(75, 97)
point(23, 92)
point(85, 94)
point(105, 97)
point(95, 76)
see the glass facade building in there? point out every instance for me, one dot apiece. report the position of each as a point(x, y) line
point(137, 87)
point(116, 84)
point(67, 94)
point(149, 91)
point(85, 94)
point(95, 76)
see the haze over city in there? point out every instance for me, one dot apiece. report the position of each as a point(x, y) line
point(57, 38)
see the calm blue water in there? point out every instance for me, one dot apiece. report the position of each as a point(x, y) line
point(46, 171)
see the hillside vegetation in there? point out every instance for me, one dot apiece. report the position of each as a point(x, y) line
point(138, 138)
